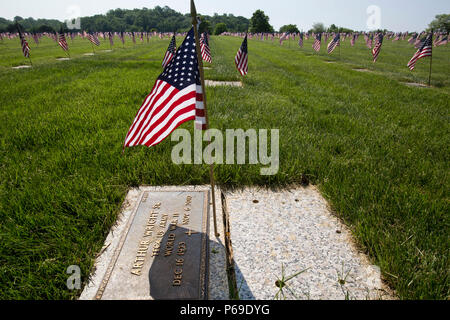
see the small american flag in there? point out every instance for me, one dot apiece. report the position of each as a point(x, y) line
point(376, 50)
point(93, 39)
point(317, 42)
point(334, 43)
point(413, 38)
point(204, 46)
point(111, 39)
point(171, 50)
point(24, 43)
point(353, 40)
point(122, 38)
point(175, 99)
point(62, 42)
point(426, 50)
point(241, 59)
point(284, 37)
point(442, 41)
point(300, 40)
point(369, 41)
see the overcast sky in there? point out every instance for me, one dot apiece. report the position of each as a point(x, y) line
point(396, 15)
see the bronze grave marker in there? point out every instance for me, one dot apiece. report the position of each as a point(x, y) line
point(163, 252)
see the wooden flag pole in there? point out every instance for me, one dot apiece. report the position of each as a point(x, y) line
point(202, 79)
point(431, 59)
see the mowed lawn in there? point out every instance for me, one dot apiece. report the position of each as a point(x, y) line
point(377, 149)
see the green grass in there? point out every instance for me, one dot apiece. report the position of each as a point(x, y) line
point(377, 149)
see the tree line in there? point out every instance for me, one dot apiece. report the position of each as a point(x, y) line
point(160, 19)
point(165, 19)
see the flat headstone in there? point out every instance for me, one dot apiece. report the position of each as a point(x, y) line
point(21, 67)
point(161, 249)
point(211, 83)
point(289, 231)
point(89, 54)
point(417, 85)
point(63, 59)
point(362, 70)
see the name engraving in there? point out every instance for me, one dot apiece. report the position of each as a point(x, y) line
point(146, 241)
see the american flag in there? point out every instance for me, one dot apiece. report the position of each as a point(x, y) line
point(62, 42)
point(241, 59)
point(369, 41)
point(122, 38)
point(36, 38)
point(376, 50)
point(426, 50)
point(93, 38)
point(24, 43)
point(334, 43)
point(284, 37)
point(133, 37)
point(413, 38)
point(300, 40)
point(204, 46)
point(442, 41)
point(317, 42)
point(353, 40)
point(170, 52)
point(111, 39)
point(175, 99)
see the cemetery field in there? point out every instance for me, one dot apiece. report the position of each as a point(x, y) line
point(377, 149)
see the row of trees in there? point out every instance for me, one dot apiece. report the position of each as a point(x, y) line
point(162, 19)
point(165, 19)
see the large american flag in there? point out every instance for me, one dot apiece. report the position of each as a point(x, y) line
point(241, 59)
point(204, 46)
point(334, 43)
point(62, 42)
point(426, 50)
point(376, 50)
point(317, 42)
point(176, 98)
point(171, 50)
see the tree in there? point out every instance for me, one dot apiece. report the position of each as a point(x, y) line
point(441, 23)
point(333, 28)
point(291, 28)
point(259, 23)
point(205, 26)
point(318, 27)
point(220, 28)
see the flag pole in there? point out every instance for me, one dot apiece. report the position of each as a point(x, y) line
point(202, 79)
point(431, 59)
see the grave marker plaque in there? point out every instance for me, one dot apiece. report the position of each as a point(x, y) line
point(163, 252)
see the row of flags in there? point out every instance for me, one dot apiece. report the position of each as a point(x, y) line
point(424, 45)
